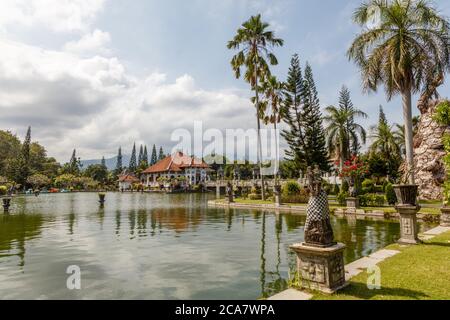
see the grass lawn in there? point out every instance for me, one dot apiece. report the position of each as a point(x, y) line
point(418, 272)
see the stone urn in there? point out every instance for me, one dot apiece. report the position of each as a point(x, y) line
point(445, 216)
point(406, 194)
point(101, 198)
point(352, 202)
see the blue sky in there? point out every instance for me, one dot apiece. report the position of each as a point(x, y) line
point(96, 74)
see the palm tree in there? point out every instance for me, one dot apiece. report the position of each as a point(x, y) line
point(273, 90)
point(385, 143)
point(399, 134)
point(255, 43)
point(342, 129)
point(407, 50)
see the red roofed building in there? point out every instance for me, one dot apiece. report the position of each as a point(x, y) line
point(126, 181)
point(176, 166)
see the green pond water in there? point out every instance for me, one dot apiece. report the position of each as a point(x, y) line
point(152, 246)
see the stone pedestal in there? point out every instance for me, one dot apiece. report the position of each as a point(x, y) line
point(408, 224)
point(445, 217)
point(230, 198)
point(321, 268)
point(352, 203)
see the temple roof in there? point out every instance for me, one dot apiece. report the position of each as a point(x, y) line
point(176, 163)
point(128, 178)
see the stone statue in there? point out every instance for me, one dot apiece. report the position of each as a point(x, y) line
point(318, 231)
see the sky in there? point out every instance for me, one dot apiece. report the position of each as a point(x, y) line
point(98, 74)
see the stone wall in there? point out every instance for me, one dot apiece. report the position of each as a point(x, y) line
point(429, 170)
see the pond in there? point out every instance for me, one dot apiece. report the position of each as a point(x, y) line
point(154, 246)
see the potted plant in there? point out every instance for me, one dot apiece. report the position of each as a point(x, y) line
point(352, 172)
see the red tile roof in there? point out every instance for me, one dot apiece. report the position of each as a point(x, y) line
point(128, 178)
point(176, 163)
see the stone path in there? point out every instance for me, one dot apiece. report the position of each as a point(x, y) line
point(358, 266)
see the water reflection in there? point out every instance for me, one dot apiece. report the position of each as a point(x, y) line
point(159, 247)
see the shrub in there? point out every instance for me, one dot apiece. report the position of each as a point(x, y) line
point(291, 188)
point(336, 189)
point(368, 186)
point(385, 183)
point(442, 113)
point(301, 197)
point(341, 198)
point(371, 200)
point(391, 198)
point(344, 187)
point(254, 196)
point(3, 190)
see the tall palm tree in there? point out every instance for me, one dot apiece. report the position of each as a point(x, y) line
point(386, 143)
point(399, 134)
point(407, 50)
point(273, 90)
point(255, 42)
point(341, 128)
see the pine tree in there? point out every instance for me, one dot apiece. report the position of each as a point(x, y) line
point(145, 156)
point(22, 163)
point(161, 153)
point(154, 158)
point(119, 165)
point(141, 155)
point(133, 165)
point(292, 116)
point(315, 141)
point(103, 163)
point(74, 164)
point(382, 118)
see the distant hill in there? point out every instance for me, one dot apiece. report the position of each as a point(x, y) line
point(110, 163)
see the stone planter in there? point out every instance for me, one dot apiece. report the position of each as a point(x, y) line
point(445, 216)
point(352, 203)
point(101, 198)
point(406, 194)
point(6, 202)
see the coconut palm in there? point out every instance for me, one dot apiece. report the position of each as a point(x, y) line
point(399, 134)
point(342, 130)
point(273, 94)
point(386, 144)
point(255, 43)
point(408, 49)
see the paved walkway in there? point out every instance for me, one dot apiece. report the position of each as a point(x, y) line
point(358, 266)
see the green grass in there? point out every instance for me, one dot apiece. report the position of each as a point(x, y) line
point(417, 273)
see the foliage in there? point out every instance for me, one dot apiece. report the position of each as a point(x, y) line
point(38, 180)
point(3, 190)
point(341, 198)
point(368, 186)
point(97, 172)
point(119, 164)
point(442, 113)
point(161, 154)
point(390, 195)
point(301, 197)
point(66, 180)
point(371, 200)
point(343, 132)
point(344, 186)
point(290, 188)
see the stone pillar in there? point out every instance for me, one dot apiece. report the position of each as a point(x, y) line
point(321, 268)
point(445, 217)
point(408, 224)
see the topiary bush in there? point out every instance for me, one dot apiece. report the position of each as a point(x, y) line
point(368, 186)
point(291, 188)
point(336, 190)
point(254, 196)
point(3, 190)
point(391, 198)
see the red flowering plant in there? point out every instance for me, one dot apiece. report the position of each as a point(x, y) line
point(353, 171)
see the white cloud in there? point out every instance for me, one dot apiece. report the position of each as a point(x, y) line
point(56, 15)
point(92, 43)
point(93, 105)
